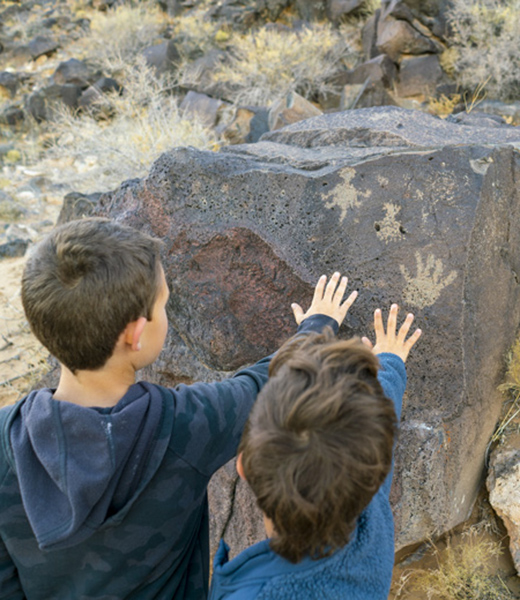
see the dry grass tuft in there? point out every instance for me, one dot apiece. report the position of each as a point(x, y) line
point(443, 106)
point(485, 35)
point(513, 370)
point(464, 572)
point(268, 64)
point(117, 36)
point(146, 122)
point(511, 389)
point(195, 34)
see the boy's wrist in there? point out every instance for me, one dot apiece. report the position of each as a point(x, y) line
point(318, 322)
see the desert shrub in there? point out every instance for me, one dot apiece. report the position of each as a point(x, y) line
point(267, 64)
point(144, 122)
point(119, 34)
point(195, 34)
point(485, 36)
point(444, 105)
point(510, 417)
point(365, 10)
point(463, 572)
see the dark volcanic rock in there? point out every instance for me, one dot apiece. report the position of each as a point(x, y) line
point(386, 127)
point(12, 116)
point(42, 45)
point(290, 109)
point(9, 81)
point(378, 69)
point(202, 108)
point(369, 84)
point(108, 84)
point(415, 210)
point(247, 126)
point(77, 205)
point(43, 104)
point(433, 14)
point(13, 248)
point(75, 72)
point(420, 76)
point(396, 37)
point(337, 9)
point(243, 13)
point(198, 76)
point(163, 57)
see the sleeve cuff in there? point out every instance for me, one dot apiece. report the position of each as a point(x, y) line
point(318, 323)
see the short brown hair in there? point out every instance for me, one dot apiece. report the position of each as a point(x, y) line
point(318, 443)
point(84, 283)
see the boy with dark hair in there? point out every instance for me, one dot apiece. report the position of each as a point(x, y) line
point(103, 481)
point(317, 454)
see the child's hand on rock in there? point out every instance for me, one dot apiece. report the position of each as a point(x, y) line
point(327, 300)
point(390, 341)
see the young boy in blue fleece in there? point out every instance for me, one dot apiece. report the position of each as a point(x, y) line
point(103, 481)
point(317, 453)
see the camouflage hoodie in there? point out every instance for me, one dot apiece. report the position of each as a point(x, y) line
point(111, 504)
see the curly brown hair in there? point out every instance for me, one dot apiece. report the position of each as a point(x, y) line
point(318, 443)
point(84, 283)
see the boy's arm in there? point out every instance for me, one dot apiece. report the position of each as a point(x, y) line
point(10, 586)
point(392, 377)
point(210, 417)
point(392, 350)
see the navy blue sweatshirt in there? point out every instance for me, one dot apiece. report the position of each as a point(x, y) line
point(111, 503)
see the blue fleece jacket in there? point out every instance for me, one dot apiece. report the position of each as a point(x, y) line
point(111, 503)
point(362, 570)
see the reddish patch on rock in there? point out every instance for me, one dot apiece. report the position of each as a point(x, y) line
point(231, 296)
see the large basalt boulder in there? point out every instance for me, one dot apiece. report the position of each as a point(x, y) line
point(415, 210)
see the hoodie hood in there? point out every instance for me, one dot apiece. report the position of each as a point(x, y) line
point(81, 467)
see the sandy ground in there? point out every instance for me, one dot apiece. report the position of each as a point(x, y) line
point(22, 358)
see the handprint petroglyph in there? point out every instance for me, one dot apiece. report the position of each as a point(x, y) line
point(424, 288)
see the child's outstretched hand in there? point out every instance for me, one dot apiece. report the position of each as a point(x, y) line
point(327, 300)
point(389, 341)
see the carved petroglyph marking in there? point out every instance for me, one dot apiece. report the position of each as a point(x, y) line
point(390, 228)
point(481, 165)
point(345, 196)
point(424, 288)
